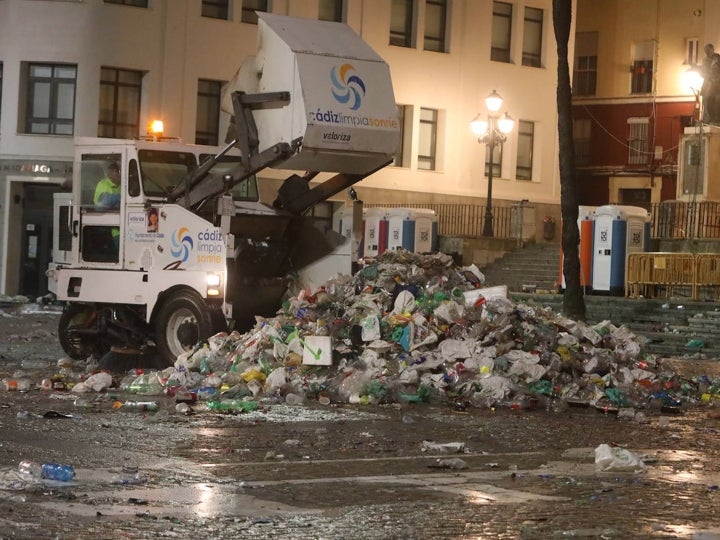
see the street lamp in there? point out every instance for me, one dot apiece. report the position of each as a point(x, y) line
point(491, 132)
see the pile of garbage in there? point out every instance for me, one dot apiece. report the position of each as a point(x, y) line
point(417, 328)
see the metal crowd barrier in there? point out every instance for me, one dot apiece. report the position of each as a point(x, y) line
point(665, 274)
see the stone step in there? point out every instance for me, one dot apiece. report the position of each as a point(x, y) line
point(668, 325)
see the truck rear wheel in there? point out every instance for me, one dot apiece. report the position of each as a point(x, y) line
point(75, 332)
point(182, 321)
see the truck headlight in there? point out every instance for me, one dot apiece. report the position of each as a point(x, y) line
point(213, 284)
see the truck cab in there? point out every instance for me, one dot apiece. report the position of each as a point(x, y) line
point(187, 248)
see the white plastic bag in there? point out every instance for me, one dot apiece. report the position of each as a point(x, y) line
point(616, 459)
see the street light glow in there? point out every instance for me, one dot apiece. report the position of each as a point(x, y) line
point(479, 126)
point(693, 79)
point(493, 102)
point(506, 123)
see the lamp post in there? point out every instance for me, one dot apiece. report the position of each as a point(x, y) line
point(693, 78)
point(491, 132)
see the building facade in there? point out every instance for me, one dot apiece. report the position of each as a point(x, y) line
point(108, 67)
point(631, 99)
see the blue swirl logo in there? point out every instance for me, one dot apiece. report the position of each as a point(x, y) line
point(182, 244)
point(348, 88)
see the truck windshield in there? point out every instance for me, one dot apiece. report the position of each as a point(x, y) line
point(246, 190)
point(162, 170)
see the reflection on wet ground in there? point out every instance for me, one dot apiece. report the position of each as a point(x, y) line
point(347, 472)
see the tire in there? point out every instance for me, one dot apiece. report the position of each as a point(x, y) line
point(182, 321)
point(77, 345)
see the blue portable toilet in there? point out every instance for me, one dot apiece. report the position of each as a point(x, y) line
point(401, 230)
point(618, 230)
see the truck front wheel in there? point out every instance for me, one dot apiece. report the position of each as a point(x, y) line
point(182, 321)
point(79, 333)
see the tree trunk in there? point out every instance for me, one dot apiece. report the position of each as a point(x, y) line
point(573, 301)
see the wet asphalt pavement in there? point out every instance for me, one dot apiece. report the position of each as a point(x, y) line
point(342, 471)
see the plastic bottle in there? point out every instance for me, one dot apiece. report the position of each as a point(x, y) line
point(16, 385)
point(185, 396)
point(206, 392)
point(48, 471)
point(129, 476)
point(139, 405)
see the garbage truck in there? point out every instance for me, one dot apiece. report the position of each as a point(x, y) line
point(188, 249)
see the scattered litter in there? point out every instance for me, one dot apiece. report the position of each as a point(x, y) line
point(444, 448)
point(449, 463)
point(616, 459)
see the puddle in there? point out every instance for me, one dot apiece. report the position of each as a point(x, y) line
point(199, 500)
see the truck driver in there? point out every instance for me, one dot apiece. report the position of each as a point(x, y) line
point(107, 191)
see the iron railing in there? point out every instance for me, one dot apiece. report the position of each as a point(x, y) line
point(669, 219)
point(685, 220)
point(464, 220)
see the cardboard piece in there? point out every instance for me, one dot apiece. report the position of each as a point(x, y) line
point(317, 351)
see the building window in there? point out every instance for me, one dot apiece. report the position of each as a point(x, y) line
point(532, 38)
point(427, 140)
point(136, 3)
point(50, 106)
point(692, 46)
point(322, 214)
point(331, 10)
point(581, 139)
point(435, 25)
point(638, 141)
point(403, 112)
point(642, 68)
point(501, 32)
point(249, 7)
point(1, 79)
point(402, 15)
point(585, 76)
point(585, 72)
point(526, 140)
point(120, 91)
point(207, 123)
point(216, 9)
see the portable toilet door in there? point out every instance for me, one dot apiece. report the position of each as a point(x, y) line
point(586, 223)
point(376, 232)
point(425, 240)
point(401, 230)
point(346, 228)
point(611, 242)
point(638, 229)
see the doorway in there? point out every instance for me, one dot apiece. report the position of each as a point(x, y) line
point(36, 246)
